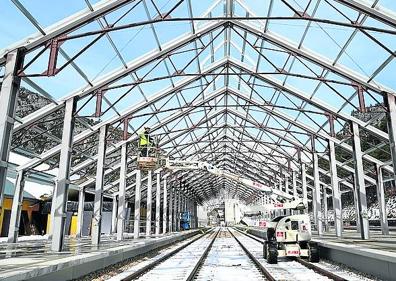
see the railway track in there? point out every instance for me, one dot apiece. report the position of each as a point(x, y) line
point(211, 256)
point(288, 269)
point(179, 264)
point(227, 260)
point(225, 254)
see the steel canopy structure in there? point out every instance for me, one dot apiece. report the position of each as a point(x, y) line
point(271, 90)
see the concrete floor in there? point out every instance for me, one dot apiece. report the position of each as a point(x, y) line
point(377, 241)
point(27, 256)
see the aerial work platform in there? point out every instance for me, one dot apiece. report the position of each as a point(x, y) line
point(34, 260)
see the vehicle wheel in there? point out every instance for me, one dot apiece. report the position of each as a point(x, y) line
point(265, 249)
point(303, 245)
point(313, 252)
point(271, 234)
point(272, 253)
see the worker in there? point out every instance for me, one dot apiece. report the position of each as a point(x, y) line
point(145, 141)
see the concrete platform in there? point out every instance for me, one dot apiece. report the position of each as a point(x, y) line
point(34, 260)
point(376, 256)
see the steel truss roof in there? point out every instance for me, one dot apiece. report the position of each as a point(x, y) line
point(232, 89)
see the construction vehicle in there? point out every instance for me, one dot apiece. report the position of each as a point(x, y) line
point(285, 236)
point(289, 236)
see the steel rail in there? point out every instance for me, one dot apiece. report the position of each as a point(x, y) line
point(155, 263)
point(320, 270)
point(201, 260)
point(263, 270)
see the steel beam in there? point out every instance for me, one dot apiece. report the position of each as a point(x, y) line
point(131, 67)
point(89, 132)
point(359, 183)
point(321, 105)
point(313, 57)
point(149, 202)
point(75, 21)
point(8, 100)
point(376, 12)
point(63, 181)
point(304, 127)
point(121, 212)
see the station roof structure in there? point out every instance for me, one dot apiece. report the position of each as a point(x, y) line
point(253, 87)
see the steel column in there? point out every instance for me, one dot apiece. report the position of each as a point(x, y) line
point(381, 201)
point(325, 209)
point(158, 208)
point(98, 200)
point(51, 226)
point(149, 202)
point(178, 209)
point(336, 190)
point(356, 205)
point(136, 223)
point(80, 212)
point(359, 183)
point(390, 103)
point(287, 184)
point(287, 212)
point(196, 214)
point(114, 215)
point(121, 212)
point(165, 204)
point(8, 100)
point(16, 208)
point(170, 222)
point(294, 182)
point(175, 204)
point(304, 186)
point(61, 190)
point(316, 198)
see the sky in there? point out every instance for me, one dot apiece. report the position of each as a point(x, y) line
point(362, 55)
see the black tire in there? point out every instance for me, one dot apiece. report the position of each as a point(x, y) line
point(271, 234)
point(313, 252)
point(265, 249)
point(272, 253)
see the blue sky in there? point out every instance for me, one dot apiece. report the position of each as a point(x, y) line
point(362, 55)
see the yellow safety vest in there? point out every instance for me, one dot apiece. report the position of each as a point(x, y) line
point(143, 140)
